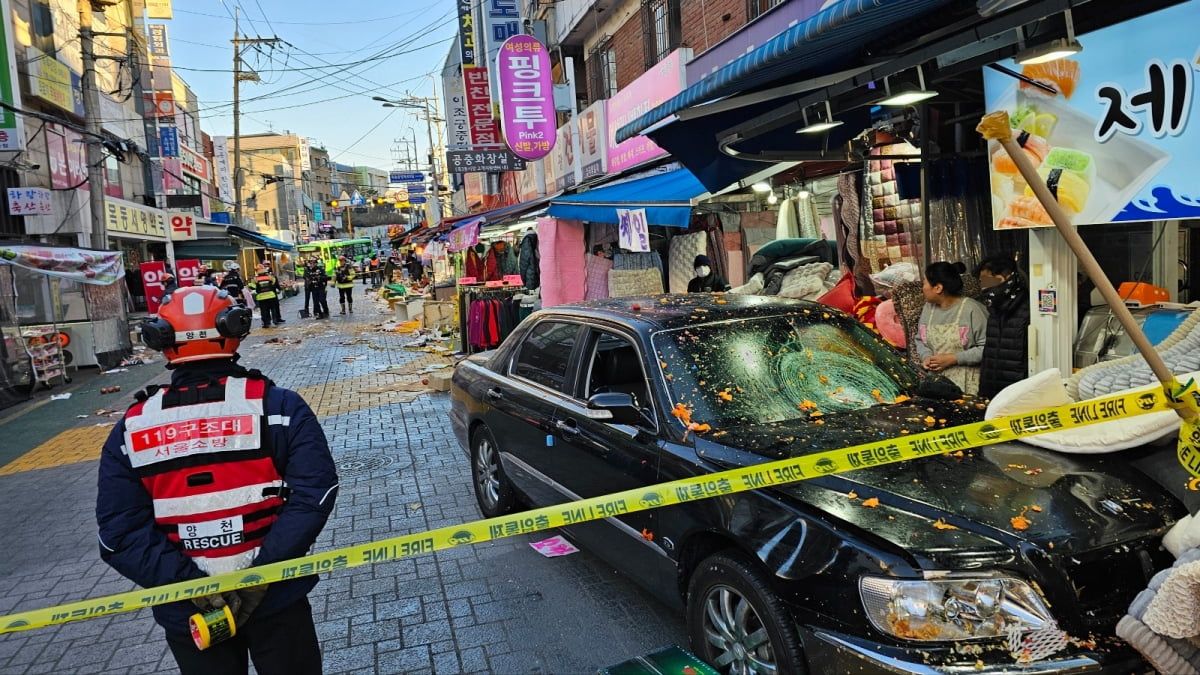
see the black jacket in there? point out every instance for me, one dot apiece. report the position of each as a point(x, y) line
point(530, 261)
point(712, 283)
point(1006, 352)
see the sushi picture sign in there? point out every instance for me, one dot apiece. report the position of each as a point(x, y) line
point(1106, 128)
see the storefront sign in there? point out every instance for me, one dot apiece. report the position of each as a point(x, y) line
point(53, 82)
point(221, 164)
point(1114, 141)
point(168, 141)
point(12, 133)
point(76, 159)
point(593, 154)
point(484, 131)
point(158, 41)
point(527, 181)
point(162, 104)
point(125, 217)
point(493, 161)
point(192, 163)
point(182, 226)
point(465, 236)
point(153, 283)
point(305, 155)
point(466, 33)
point(187, 271)
point(458, 127)
point(172, 173)
point(633, 232)
point(652, 88)
point(158, 9)
point(501, 19)
point(56, 151)
point(526, 97)
point(29, 201)
point(562, 159)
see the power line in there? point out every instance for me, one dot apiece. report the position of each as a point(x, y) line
point(311, 23)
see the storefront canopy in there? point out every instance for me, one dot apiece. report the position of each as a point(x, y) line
point(667, 198)
point(259, 240)
point(87, 266)
point(206, 249)
point(504, 213)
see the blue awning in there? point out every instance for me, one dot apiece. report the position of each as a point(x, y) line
point(256, 238)
point(815, 46)
point(667, 199)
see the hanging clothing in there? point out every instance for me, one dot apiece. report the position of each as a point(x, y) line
point(960, 329)
point(787, 225)
point(529, 261)
point(1006, 352)
point(473, 265)
point(598, 267)
point(491, 320)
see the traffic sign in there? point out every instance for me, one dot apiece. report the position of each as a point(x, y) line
point(417, 189)
point(405, 176)
point(357, 199)
point(416, 199)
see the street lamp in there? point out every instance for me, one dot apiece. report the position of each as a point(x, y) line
point(421, 104)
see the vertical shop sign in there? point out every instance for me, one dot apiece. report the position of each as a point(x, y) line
point(305, 158)
point(458, 126)
point(632, 230)
point(662, 81)
point(76, 159)
point(221, 165)
point(466, 33)
point(56, 150)
point(526, 97)
point(172, 172)
point(12, 132)
point(153, 284)
point(168, 141)
point(159, 48)
point(593, 154)
point(188, 272)
point(501, 20)
point(484, 132)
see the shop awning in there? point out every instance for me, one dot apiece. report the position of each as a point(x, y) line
point(259, 240)
point(818, 45)
point(666, 197)
point(504, 213)
point(206, 249)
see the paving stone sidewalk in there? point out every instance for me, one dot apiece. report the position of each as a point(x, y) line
point(497, 607)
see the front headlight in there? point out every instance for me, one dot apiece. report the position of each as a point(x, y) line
point(930, 610)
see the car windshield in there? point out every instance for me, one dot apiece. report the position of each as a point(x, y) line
point(779, 368)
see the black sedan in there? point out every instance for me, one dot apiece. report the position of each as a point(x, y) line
point(981, 560)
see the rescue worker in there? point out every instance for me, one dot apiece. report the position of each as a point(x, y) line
point(236, 496)
point(233, 284)
point(316, 282)
point(373, 269)
point(266, 296)
point(343, 278)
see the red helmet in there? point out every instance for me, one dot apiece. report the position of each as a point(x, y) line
point(196, 323)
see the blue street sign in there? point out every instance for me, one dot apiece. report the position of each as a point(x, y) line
point(357, 199)
point(317, 214)
point(416, 200)
point(168, 141)
point(405, 176)
point(416, 189)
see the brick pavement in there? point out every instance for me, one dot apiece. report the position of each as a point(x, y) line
point(496, 607)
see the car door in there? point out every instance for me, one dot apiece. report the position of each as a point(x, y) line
point(595, 458)
point(523, 400)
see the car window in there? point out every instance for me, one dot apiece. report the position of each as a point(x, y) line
point(797, 366)
point(544, 356)
point(615, 365)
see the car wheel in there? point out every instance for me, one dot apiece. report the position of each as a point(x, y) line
point(493, 490)
point(736, 623)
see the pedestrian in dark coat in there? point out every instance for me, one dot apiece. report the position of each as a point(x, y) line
point(1006, 352)
point(530, 261)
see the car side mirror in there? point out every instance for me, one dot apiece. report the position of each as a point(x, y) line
point(614, 408)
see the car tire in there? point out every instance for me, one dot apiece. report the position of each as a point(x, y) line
point(493, 490)
point(736, 622)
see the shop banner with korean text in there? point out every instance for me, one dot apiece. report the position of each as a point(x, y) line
point(466, 235)
point(154, 283)
point(82, 265)
point(1107, 128)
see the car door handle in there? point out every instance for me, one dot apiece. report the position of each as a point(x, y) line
point(495, 394)
point(567, 427)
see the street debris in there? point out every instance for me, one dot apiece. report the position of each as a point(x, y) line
point(115, 370)
point(554, 547)
point(282, 341)
point(139, 357)
point(60, 397)
point(109, 390)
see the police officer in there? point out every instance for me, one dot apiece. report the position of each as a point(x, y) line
point(316, 282)
point(245, 477)
point(233, 284)
point(266, 296)
point(343, 278)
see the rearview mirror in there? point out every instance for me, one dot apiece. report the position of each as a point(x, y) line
point(614, 408)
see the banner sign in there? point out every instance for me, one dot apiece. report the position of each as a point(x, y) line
point(153, 282)
point(193, 163)
point(130, 218)
point(632, 230)
point(526, 97)
point(1111, 137)
point(168, 141)
point(12, 131)
point(181, 226)
point(593, 155)
point(466, 235)
point(29, 201)
point(224, 176)
point(186, 272)
point(501, 20)
point(171, 174)
point(484, 132)
point(159, 48)
point(53, 82)
point(89, 267)
point(652, 88)
point(492, 161)
point(466, 33)
point(56, 152)
point(458, 126)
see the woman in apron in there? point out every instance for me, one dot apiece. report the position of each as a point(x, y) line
point(952, 328)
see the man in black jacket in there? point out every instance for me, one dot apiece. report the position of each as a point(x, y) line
point(1006, 352)
point(706, 279)
point(316, 283)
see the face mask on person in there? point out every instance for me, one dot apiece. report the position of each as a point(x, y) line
point(703, 270)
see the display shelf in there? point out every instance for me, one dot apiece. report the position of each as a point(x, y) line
point(45, 354)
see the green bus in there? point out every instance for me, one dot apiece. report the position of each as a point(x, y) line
point(329, 250)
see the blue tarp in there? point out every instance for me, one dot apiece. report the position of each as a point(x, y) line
point(667, 199)
point(265, 242)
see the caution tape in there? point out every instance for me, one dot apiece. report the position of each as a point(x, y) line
point(681, 491)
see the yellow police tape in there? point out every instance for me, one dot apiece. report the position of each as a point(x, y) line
point(654, 496)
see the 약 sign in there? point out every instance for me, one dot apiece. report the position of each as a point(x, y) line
point(182, 227)
point(526, 97)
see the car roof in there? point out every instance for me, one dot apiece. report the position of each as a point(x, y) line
point(679, 310)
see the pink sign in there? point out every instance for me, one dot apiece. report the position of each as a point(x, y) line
point(188, 271)
point(526, 97)
point(653, 88)
point(60, 172)
point(152, 282)
point(465, 236)
point(171, 173)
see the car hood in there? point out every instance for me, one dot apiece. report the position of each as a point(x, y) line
point(974, 502)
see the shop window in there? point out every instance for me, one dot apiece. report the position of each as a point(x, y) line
point(602, 72)
point(661, 29)
point(112, 178)
point(756, 8)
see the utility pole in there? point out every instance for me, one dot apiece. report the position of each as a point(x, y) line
point(91, 115)
point(238, 76)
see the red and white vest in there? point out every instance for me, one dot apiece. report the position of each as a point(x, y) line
point(204, 455)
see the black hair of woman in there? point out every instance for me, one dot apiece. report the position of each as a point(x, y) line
point(949, 275)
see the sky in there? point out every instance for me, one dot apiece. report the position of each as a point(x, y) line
point(318, 82)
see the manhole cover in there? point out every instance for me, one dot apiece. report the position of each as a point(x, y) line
point(360, 466)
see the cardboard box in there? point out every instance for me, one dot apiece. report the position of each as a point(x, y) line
point(440, 381)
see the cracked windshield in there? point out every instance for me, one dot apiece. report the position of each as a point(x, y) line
point(779, 368)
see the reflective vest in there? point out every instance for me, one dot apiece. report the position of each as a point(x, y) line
point(203, 454)
point(345, 277)
point(264, 287)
